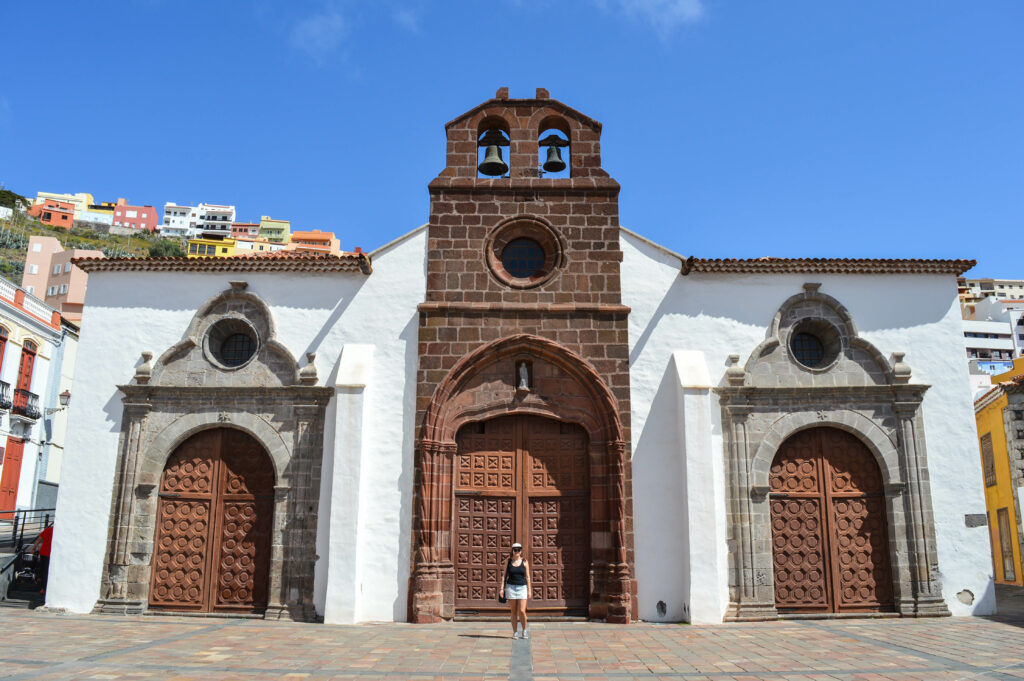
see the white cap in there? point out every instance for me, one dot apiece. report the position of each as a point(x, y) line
point(517, 545)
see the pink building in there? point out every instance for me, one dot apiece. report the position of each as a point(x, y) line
point(50, 276)
point(246, 230)
point(135, 217)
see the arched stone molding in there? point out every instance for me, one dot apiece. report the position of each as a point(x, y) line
point(153, 460)
point(878, 442)
point(183, 393)
point(446, 414)
point(483, 385)
point(772, 396)
point(272, 365)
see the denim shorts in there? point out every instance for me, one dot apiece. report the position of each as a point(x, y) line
point(515, 592)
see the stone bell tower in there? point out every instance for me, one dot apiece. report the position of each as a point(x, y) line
point(523, 406)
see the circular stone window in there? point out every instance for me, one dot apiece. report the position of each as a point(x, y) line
point(814, 344)
point(524, 252)
point(523, 258)
point(231, 343)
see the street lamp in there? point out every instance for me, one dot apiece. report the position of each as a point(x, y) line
point(65, 399)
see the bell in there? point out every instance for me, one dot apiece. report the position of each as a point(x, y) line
point(492, 164)
point(554, 164)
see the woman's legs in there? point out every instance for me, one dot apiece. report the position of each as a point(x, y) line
point(521, 605)
point(513, 609)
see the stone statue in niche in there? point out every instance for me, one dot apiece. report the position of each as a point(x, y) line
point(524, 377)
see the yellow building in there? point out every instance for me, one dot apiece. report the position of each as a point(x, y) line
point(211, 248)
point(1000, 418)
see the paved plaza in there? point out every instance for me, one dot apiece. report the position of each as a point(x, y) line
point(45, 646)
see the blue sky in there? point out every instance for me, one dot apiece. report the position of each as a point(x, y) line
point(737, 129)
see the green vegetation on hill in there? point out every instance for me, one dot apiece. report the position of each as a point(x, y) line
point(15, 233)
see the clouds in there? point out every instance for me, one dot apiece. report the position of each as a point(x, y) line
point(408, 19)
point(319, 35)
point(664, 16)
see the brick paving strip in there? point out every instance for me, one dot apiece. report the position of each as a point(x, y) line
point(47, 647)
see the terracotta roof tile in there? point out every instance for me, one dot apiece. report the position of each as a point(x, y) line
point(769, 265)
point(274, 261)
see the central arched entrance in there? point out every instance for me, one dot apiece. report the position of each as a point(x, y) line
point(830, 540)
point(522, 478)
point(212, 546)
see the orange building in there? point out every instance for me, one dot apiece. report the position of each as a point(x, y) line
point(315, 241)
point(54, 213)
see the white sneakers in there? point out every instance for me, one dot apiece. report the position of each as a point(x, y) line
point(523, 634)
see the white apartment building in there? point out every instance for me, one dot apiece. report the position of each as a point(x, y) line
point(206, 219)
point(994, 329)
point(178, 221)
point(1003, 289)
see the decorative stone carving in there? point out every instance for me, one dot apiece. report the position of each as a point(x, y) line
point(859, 392)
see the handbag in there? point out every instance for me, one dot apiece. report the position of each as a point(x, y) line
point(502, 599)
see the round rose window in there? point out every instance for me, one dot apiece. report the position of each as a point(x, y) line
point(523, 258)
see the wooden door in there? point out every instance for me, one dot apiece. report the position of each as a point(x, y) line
point(28, 358)
point(829, 533)
point(522, 478)
point(212, 545)
point(10, 476)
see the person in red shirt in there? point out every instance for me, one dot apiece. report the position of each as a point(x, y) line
point(41, 549)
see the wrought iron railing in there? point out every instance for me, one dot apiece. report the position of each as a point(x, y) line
point(26, 404)
point(5, 395)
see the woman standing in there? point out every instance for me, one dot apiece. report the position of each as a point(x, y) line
point(515, 586)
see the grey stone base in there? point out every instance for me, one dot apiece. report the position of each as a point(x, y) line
point(923, 606)
point(750, 612)
point(118, 606)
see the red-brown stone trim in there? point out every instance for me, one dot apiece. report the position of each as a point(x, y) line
point(460, 399)
point(441, 425)
point(524, 227)
point(536, 308)
point(290, 262)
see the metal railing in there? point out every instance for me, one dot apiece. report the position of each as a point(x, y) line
point(25, 526)
point(26, 404)
point(5, 395)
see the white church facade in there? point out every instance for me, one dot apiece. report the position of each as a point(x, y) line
point(361, 438)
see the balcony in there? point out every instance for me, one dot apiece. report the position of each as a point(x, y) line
point(5, 395)
point(26, 404)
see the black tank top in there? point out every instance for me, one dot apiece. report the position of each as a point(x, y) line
point(516, 574)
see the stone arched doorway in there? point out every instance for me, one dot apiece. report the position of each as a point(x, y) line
point(542, 388)
point(830, 542)
point(522, 478)
point(213, 528)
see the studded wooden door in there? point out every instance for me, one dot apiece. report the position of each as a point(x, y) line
point(522, 478)
point(212, 545)
point(829, 532)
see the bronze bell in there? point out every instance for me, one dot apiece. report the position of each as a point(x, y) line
point(554, 163)
point(493, 164)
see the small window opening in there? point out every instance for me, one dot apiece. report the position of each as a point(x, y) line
point(808, 349)
point(523, 258)
point(237, 349)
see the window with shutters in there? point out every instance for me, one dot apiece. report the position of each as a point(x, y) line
point(988, 459)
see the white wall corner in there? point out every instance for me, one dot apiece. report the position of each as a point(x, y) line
point(702, 487)
point(354, 374)
point(692, 369)
point(355, 366)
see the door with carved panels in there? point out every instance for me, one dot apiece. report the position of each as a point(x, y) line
point(829, 532)
point(526, 479)
point(212, 545)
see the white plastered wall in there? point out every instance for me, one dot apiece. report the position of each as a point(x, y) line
point(127, 313)
point(717, 315)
